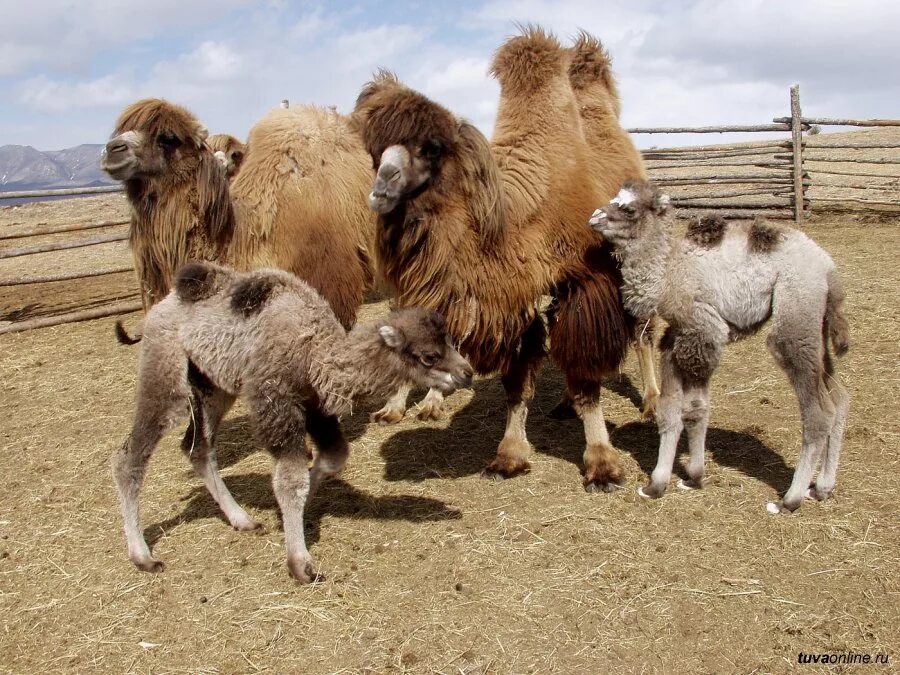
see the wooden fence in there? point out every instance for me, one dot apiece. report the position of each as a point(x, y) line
point(777, 178)
point(774, 177)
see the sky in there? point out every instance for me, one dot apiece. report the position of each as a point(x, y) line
point(67, 68)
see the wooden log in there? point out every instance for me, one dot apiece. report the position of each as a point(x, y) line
point(832, 122)
point(61, 245)
point(716, 180)
point(724, 195)
point(737, 214)
point(727, 128)
point(851, 160)
point(55, 229)
point(697, 156)
point(862, 174)
point(60, 193)
point(72, 317)
point(65, 276)
point(723, 146)
point(853, 146)
point(687, 164)
point(797, 152)
point(700, 204)
point(859, 200)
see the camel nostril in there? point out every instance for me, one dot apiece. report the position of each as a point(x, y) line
point(116, 146)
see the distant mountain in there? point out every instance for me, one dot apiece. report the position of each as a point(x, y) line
point(24, 168)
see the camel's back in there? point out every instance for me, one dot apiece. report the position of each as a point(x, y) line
point(300, 198)
point(264, 325)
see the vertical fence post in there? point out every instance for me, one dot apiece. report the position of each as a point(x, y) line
point(797, 141)
point(285, 103)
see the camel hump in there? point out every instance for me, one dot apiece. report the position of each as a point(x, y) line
point(707, 230)
point(197, 281)
point(528, 61)
point(590, 61)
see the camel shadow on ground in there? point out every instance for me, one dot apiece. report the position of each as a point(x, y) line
point(335, 498)
point(470, 440)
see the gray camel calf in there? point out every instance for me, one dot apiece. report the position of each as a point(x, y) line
point(269, 337)
point(720, 284)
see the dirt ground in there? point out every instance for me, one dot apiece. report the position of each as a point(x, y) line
point(429, 567)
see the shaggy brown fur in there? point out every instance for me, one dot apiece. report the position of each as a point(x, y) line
point(614, 159)
point(707, 230)
point(496, 225)
point(763, 236)
point(288, 356)
point(298, 201)
point(229, 151)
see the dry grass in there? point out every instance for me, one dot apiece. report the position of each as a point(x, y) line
point(431, 568)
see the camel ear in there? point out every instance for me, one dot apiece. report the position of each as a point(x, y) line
point(661, 203)
point(201, 133)
point(393, 337)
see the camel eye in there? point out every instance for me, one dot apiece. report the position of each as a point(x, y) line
point(432, 148)
point(168, 141)
point(428, 360)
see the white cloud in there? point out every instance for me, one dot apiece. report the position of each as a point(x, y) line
point(45, 95)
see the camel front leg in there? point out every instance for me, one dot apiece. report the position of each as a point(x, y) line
point(518, 381)
point(394, 410)
point(643, 346)
point(602, 465)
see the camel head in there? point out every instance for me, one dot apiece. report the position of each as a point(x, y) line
point(411, 140)
point(418, 336)
point(151, 137)
point(631, 213)
point(229, 151)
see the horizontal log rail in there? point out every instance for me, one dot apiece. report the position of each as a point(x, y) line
point(60, 246)
point(62, 192)
point(721, 129)
point(71, 317)
point(56, 229)
point(64, 276)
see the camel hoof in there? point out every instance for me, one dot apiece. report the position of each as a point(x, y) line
point(386, 416)
point(304, 571)
point(597, 486)
point(779, 507)
point(818, 495)
point(650, 492)
point(150, 565)
point(430, 413)
point(251, 526)
point(506, 467)
point(563, 411)
point(689, 484)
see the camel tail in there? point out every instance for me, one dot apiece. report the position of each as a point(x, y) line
point(835, 327)
point(122, 336)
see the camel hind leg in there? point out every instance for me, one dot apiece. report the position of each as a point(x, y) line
point(827, 477)
point(162, 401)
point(796, 344)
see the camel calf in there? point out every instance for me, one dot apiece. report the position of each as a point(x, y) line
point(268, 336)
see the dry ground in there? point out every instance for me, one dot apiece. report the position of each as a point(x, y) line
point(431, 568)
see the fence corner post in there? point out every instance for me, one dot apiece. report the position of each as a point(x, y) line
point(797, 151)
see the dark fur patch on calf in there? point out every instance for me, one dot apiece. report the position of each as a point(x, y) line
point(195, 281)
point(198, 379)
point(763, 237)
point(250, 295)
point(707, 230)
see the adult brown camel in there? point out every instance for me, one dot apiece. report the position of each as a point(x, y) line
point(297, 203)
point(480, 231)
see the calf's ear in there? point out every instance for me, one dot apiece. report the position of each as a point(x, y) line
point(392, 337)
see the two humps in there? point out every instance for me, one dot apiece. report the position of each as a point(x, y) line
point(270, 338)
point(718, 284)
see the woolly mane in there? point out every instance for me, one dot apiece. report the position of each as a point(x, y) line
point(527, 62)
point(154, 116)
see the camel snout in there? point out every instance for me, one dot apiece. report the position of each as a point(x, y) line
point(463, 381)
